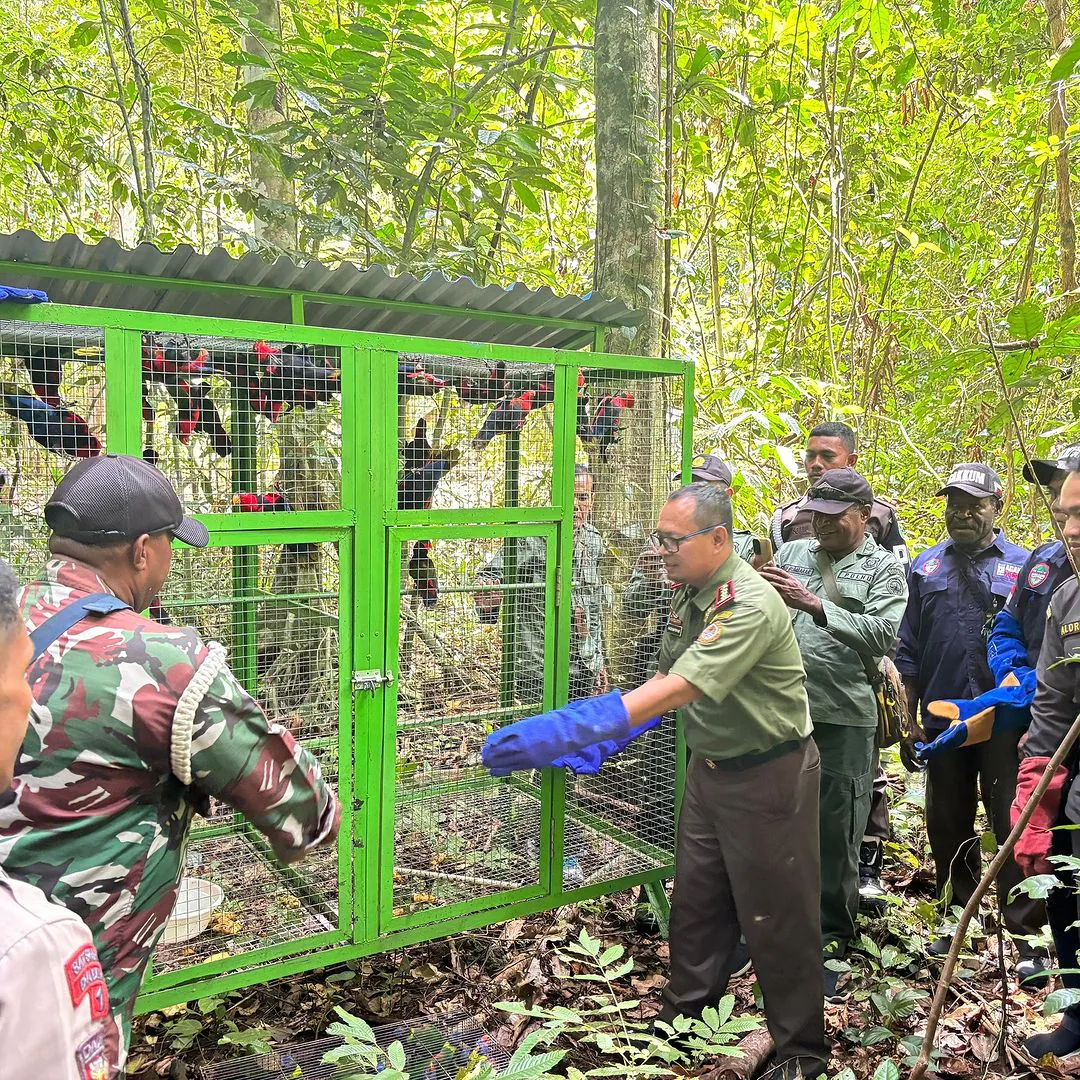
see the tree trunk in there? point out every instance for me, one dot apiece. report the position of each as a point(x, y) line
point(629, 267)
point(1058, 124)
point(275, 216)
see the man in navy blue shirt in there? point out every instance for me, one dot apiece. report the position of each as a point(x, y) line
point(955, 589)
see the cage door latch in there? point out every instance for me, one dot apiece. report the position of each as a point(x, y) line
point(371, 680)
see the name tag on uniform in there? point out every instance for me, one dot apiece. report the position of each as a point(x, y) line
point(850, 575)
point(674, 625)
point(1007, 570)
point(1070, 628)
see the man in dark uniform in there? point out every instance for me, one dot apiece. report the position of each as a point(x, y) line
point(955, 588)
point(832, 446)
point(1052, 714)
point(748, 838)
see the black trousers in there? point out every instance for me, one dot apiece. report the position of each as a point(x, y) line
point(877, 825)
point(955, 782)
point(1062, 912)
point(748, 856)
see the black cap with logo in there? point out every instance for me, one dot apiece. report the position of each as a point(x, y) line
point(974, 478)
point(107, 499)
point(1043, 470)
point(838, 490)
point(708, 467)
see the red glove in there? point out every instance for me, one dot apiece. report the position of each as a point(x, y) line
point(1033, 848)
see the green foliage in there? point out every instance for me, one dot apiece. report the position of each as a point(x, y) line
point(208, 1020)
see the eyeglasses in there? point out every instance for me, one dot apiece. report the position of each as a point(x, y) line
point(671, 544)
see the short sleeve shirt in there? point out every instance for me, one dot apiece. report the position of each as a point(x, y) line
point(732, 640)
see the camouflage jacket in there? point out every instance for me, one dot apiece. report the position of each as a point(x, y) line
point(95, 818)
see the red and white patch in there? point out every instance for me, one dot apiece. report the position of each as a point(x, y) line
point(85, 979)
point(725, 595)
point(92, 1058)
point(1038, 574)
point(931, 566)
point(1008, 571)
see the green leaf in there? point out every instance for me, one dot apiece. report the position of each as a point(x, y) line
point(886, 1071)
point(1066, 62)
point(1038, 886)
point(395, 1054)
point(84, 33)
point(1025, 320)
point(880, 25)
point(941, 11)
point(527, 196)
point(1060, 1000)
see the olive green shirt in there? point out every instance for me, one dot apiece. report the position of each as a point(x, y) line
point(740, 652)
point(873, 585)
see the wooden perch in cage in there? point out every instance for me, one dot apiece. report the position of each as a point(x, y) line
point(466, 879)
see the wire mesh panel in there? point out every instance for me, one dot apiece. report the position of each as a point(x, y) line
point(473, 435)
point(52, 413)
point(471, 646)
point(620, 821)
point(255, 425)
point(275, 609)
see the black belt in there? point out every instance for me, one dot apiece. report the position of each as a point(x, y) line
point(748, 761)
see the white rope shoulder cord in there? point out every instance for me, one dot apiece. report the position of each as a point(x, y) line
point(183, 725)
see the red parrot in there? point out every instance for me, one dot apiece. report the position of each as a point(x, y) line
point(209, 422)
point(44, 363)
point(271, 502)
point(294, 378)
point(490, 388)
point(413, 380)
point(508, 415)
point(607, 421)
point(57, 429)
point(422, 571)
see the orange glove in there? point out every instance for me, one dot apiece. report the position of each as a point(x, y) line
point(1032, 850)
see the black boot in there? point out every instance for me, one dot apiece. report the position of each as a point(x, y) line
point(871, 891)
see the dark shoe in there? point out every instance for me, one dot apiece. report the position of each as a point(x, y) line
point(1031, 970)
point(871, 891)
point(1062, 1043)
point(645, 921)
point(740, 960)
point(939, 947)
point(832, 994)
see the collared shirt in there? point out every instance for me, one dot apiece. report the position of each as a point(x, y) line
point(1046, 568)
point(732, 640)
point(95, 818)
point(942, 637)
point(872, 584)
point(647, 599)
point(54, 1006)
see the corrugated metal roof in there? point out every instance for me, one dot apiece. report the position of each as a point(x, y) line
point(465, 323)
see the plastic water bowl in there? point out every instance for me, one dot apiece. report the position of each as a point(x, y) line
point(196, 900)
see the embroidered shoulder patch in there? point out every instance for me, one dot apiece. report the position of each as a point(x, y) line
point(710, 634)
point(85, 979)
point(931, 566)
point(1038, 574)
point(92, 1058)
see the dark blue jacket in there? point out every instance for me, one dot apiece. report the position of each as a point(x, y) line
point(1018, 630)
point(950, 598)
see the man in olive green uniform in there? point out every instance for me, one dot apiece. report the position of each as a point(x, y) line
point(870, 589)
point(747, 850)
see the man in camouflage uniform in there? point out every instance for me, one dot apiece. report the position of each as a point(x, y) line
point(134, 727)
point(832, 446)
point(588, 674)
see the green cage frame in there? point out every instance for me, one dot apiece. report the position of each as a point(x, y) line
point(368, 604)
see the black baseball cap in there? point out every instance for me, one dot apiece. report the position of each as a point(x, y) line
point(838, 490)
point(708, 467)
point(1042, 470)
point(974, 478)
point(106, 499)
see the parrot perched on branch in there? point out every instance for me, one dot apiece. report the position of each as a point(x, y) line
point(271, 503)
point(422, 571)
point(57, 429)
point(607, 421)
point(45, 365)
point(488, 389)
point(508, 415)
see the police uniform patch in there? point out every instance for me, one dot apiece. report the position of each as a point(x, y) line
point(723, 616)
point(1038, 574)
point(1070, 628)
point(710, 633)
point(895, 585)
point(931, 566)
point(92, 1059)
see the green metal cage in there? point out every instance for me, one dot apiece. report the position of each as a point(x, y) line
point(392, 680)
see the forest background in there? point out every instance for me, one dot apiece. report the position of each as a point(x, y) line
point(831, 209)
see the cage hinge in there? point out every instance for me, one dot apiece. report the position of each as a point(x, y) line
point(371, 680)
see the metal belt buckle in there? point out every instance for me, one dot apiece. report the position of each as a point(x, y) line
point(710, 763)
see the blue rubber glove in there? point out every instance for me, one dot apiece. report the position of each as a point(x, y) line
point(537, 741)
point(22, 296)
point(1006, 648)
point(1005, 708)
point(589, 760)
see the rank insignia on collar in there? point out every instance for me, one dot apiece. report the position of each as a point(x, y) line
point(725, 595)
